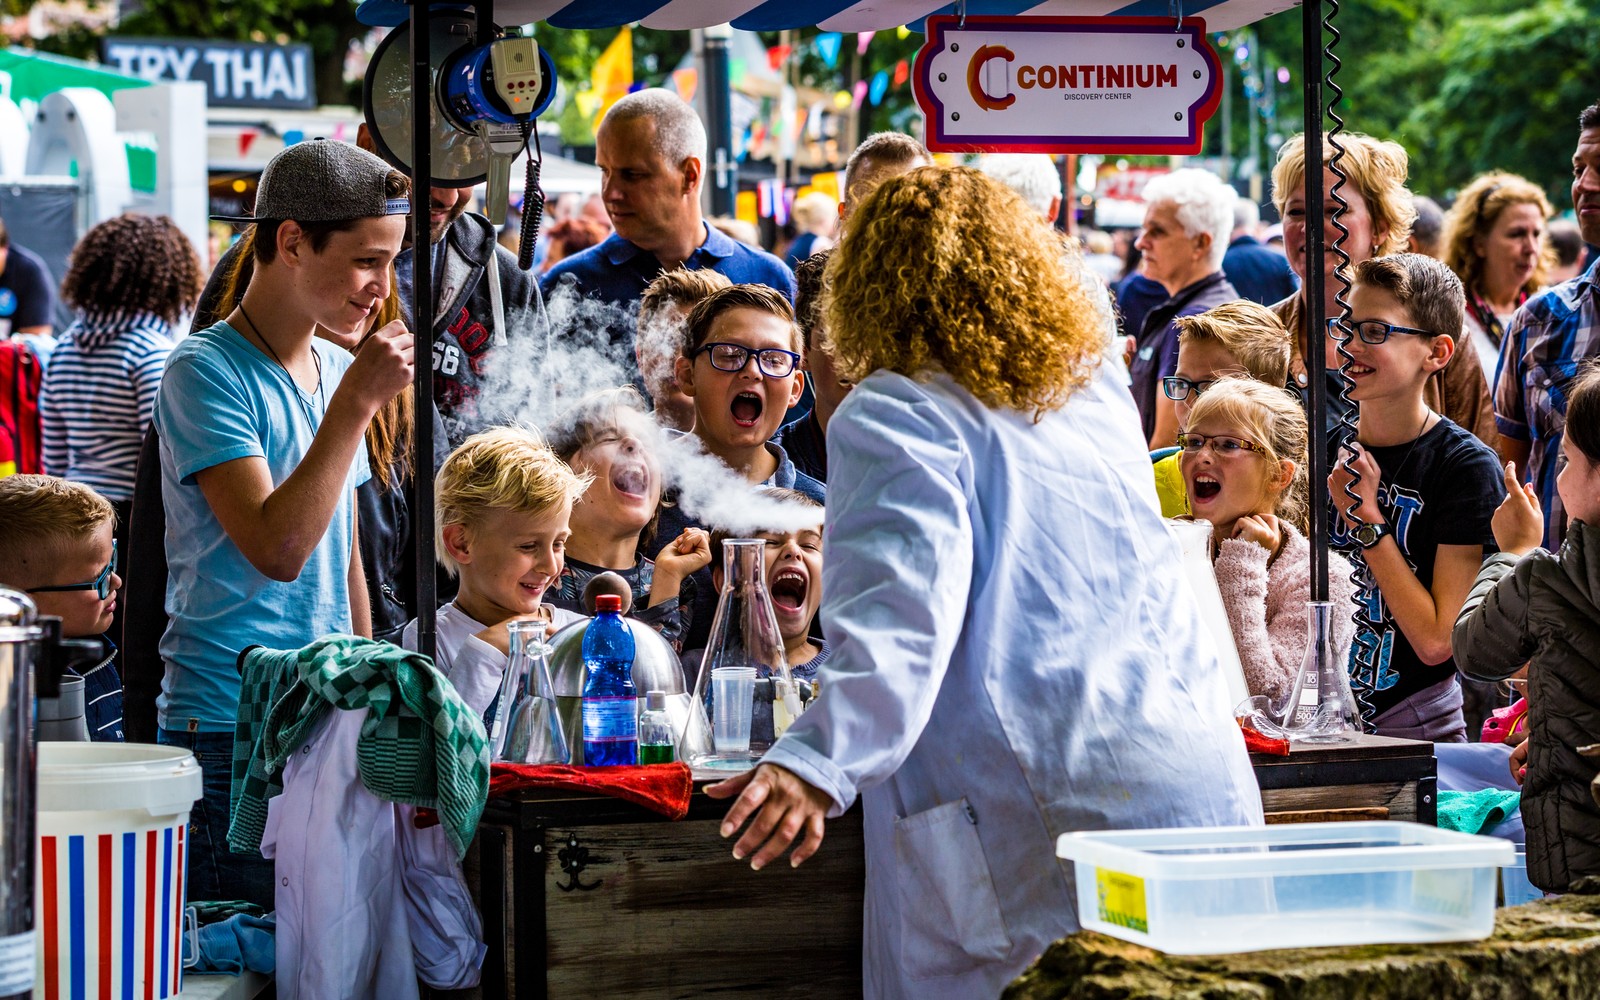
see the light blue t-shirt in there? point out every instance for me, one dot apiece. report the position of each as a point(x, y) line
point(221, 399)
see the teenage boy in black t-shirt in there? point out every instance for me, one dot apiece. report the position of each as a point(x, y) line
point(1427, 490)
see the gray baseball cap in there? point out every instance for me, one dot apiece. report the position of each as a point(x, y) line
point(323, 180)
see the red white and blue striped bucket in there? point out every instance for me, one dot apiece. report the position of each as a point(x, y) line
point(108, 912)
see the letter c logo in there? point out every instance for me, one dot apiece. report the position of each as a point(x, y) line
point(975, 68)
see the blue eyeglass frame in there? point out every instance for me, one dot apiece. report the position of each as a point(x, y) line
point(1335, 327)
point(101, 584)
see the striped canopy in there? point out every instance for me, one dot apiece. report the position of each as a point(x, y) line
point(829, 15)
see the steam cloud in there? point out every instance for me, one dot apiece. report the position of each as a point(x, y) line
point(543, 370)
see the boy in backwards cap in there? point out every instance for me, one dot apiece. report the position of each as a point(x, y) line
point(261, 430)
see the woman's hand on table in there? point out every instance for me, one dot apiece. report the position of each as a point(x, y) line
point(784, 806)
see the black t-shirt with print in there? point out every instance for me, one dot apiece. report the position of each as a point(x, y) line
point(1440, 489)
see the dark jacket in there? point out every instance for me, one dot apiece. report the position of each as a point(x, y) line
point(1260, 273)
point(1156, 353)
point(463, 323)
point(388, 543)
point(1546, 608)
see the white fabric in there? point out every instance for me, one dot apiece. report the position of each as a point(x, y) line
point(472, 665)
point(1016, 656)
point(367, 903)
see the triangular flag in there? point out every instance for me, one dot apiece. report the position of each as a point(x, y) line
point(902, 32)
point(685, 81)
point(247, 138)
point(737, 68)
point(880, 86)
point(841, 99)
point(902, 72)
point(863, 39)
point(860, 94)
point(778, 55)
point(613, 73)
point(828, 47)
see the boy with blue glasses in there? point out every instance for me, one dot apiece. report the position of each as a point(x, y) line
point(1416, 522)
point(56, 546)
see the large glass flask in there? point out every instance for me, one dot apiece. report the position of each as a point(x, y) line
point(1321, 707)
point(744, 667)
point(527, 725)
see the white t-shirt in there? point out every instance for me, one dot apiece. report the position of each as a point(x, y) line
point(472, 665)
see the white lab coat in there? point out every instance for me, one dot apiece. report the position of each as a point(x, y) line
point(1016, 656)
point(367, 903)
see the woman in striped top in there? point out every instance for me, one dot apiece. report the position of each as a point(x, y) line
point(130, 279)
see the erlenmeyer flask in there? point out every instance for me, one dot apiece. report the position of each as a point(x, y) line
point(1321, 708)
point(744, 666)
point(527, 725)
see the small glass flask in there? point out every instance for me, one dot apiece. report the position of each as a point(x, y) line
point(745, 641)
point(1321, 708)
point(527, 726)
point(657, 742)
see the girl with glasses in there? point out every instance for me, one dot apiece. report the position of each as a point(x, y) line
point(1244, 461)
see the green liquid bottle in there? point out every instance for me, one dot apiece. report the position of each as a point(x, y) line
point(656, 744)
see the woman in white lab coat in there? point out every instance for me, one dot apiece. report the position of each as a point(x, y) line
point(1016, 655)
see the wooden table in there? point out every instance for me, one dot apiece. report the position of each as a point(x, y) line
point(1373, 777)
point(586, 896)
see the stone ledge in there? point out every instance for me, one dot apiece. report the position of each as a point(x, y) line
point(1545, 950)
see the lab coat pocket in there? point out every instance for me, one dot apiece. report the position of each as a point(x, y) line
point(950, 919)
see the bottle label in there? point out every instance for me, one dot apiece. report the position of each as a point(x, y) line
point(610, 720)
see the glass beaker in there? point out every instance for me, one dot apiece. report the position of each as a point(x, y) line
point(744, 637)
point(527, 725)
point(1321, 707)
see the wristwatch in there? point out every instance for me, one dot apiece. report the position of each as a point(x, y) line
point(1368, 535)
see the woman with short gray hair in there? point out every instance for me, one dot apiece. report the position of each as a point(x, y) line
point(1187, 222)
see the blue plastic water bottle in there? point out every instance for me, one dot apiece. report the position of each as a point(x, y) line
point(610, 701)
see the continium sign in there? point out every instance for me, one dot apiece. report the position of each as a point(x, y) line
point(238, 74)
point(1066, 84)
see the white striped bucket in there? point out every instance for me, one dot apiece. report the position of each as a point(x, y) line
point(108, 910)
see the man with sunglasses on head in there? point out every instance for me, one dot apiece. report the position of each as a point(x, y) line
point(56, 545)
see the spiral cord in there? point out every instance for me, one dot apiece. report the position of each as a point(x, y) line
point(532, 200)
point(1347, 427)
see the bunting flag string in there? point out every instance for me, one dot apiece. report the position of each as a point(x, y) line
point(902, 73)
point(880, 86)
point(828, 47)
point(863, 39)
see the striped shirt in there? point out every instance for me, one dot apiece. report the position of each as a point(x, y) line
point(98, 396)
point(1547, 339)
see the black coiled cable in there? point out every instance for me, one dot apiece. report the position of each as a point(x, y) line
point(1347, 428)
point(532, 199)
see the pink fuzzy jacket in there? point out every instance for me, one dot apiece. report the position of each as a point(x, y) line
point(1267, 607)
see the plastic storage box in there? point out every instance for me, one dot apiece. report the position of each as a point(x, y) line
point(1209, 891)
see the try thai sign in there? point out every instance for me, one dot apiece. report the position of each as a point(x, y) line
point(1066, 84)
point(237, 74)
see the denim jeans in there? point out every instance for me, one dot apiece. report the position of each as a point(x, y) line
point(215, 871)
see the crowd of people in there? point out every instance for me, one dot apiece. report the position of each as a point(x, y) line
point(980, 424)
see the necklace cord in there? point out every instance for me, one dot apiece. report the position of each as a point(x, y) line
point(315, 358)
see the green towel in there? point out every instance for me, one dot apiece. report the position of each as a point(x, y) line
point(1476, 812)
point(420, 745)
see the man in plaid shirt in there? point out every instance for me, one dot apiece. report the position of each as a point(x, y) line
point(1548, 339)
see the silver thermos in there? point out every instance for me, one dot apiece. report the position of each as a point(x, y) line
point(32, 654)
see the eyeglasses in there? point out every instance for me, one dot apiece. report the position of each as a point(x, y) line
point(1222, 445)
point(1179, 388)
point(101, 584)
point(774, 363)
point(1371, 331)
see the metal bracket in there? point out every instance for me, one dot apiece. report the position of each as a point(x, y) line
point(574, 859)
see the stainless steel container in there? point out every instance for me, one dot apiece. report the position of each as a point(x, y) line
point(655, 668)
point(20, 639)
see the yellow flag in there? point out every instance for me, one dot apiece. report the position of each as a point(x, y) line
point(613, 72)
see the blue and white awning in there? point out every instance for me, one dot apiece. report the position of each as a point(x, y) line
point(829, 15)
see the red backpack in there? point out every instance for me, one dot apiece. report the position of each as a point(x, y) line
point(20, 376)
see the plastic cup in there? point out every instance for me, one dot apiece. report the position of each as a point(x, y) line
point(733, 691)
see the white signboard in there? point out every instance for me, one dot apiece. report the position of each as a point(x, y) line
point(1067, 84)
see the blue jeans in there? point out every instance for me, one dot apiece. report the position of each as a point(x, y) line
point(214, 870)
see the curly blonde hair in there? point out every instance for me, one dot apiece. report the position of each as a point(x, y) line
point(944, 269)
point(1272, 418)
point(1374, 167)
point(503, 468)
point(1474, 214)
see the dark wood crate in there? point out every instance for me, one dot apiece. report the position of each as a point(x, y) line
point(1374, 777)
point(587, 897)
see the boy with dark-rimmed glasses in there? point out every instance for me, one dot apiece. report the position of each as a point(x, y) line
point(56, 545)
point(1417, 526)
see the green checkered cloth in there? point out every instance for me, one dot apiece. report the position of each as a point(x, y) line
point(420, 745)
